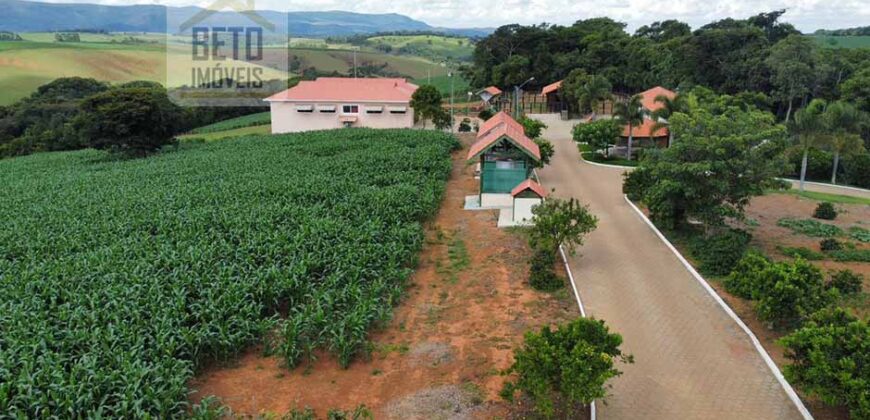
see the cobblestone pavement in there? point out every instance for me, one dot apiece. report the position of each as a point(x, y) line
point(692, 361)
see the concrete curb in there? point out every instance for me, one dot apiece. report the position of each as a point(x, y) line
point(757, 344)
point(604, 165)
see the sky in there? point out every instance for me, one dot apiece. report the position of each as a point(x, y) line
point(806, 15)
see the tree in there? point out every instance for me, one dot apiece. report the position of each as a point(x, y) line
point(857, 89)
point(132, 121)
point(793, 63)
point(600, 135)
point(791, 292)
point(630, 113)
point(664, 31)
point(561, 223)
point(572, 85)
point(533, 128)
point(669, 107)
point(830, 359)
point(809, 127)
point(569, 366)
point(592, 93)
point(720, 162)
point(843, 122)
point(547, 151)
point(426, 102)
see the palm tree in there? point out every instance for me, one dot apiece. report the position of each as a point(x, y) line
point(809, 125)
point(630, 113)
point(595, 91)
point(844, 122)
point(669, 107)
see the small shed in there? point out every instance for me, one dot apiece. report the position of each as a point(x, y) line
point(506, 158)
point(553, 95)
point(526, 197)
point(488, 94)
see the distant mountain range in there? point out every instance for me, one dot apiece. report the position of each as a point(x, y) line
point(27, 16)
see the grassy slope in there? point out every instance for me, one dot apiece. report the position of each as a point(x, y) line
point(230, 132)
point(430, 45)
point(262, 118)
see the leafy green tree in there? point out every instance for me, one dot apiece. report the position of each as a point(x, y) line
point(719, 164)
point(600, 135)
point(669, 107)
point(532, 127)
point(790, 292)
point(664, 31)
point(426, 102)
point(794, 63)
point(129, 121)
point(844, 123)
point(830, 359)
point(631, 114)
point(809, 128)
point(547, 151)
point(572, 84)
point(592, 93)
point(567, 367)
point(857, 89)
point(561, 223)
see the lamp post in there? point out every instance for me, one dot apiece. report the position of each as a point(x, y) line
point(517, 97)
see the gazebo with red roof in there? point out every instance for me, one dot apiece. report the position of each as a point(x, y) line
point(507, 157)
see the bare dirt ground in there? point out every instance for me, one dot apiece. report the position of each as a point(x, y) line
point(467, 307)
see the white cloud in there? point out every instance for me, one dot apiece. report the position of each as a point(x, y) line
point(807, 15)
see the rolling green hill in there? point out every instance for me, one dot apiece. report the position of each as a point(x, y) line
point(431, 46)
point(830, 41)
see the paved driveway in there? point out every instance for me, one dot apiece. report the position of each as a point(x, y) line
point(692, 361)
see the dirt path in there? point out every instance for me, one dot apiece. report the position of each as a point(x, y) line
point(692, 361)
point(466, 309)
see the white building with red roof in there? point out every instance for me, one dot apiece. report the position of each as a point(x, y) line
point(335, 102)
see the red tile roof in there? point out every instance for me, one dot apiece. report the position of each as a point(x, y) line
point(551, 88)
point(499, 126)
point(529, 185)
point(343, 89)
point(648, 98)
point(492, 90)
point(645, 130)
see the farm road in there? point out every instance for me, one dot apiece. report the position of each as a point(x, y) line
point(692, 361)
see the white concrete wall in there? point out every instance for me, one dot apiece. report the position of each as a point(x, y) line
point(523, 208)
point(286, 119)
point(496, 200)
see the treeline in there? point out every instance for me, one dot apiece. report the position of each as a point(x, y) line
point(363, 39)
point(9, 36)
point(859, 31)
point(758, 54)
point(64, 114)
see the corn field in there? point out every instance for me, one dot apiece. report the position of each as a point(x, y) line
point(119, 279)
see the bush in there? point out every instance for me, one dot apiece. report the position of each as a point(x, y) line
point(747, 277)
point(856, 170)
point(485, 114)
point(853, 255)
point(790, 292)
point(465, 126)
point(547, 151)
point(847, 282)
point(830, 244)
point(718, 253)
point(859, 234)
point(599, 135)
point(830, 360)
point(532, 127)
point(805, 253)
point(543, 275)
point(569, 366)
point(825, 211)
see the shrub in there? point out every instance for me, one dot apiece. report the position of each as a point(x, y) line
point(853, 255)
point(830, 244)
point(465, 126)
point(859, 234)
point(485, 114)
point(830, 360)
point(810, 227)
point(748, 276)
point(547, 151)
point(847, 282)
point(599, 135)
point(805, 253)
point(543, 275)
point(532, 127)
point(568, 366)
point(825, 211)
point(856, 170)
point(719, 252)
point(790, 292)
point(561, 223)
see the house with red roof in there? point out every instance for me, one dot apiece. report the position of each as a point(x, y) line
point(647, 133)
point(336, 102)
point(506, 157)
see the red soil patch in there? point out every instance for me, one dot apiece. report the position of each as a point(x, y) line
point(455, 327)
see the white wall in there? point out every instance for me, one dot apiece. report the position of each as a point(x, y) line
point(286, 119)
point(496, 200)
point(523, 208)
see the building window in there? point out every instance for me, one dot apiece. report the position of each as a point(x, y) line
point(350, 109)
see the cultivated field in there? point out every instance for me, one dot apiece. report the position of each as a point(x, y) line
point(121, 278)
point(432, 46)
point(843, 41)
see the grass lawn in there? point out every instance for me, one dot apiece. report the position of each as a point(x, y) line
point(831, 198)
point(262, 118)
point(236, 132)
